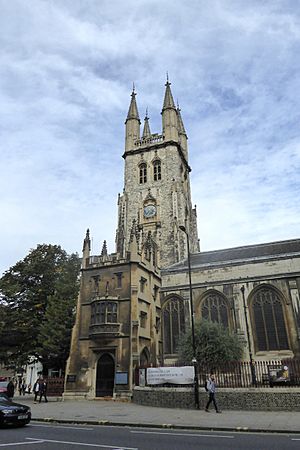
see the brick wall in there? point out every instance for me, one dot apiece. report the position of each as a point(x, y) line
point(275, 399)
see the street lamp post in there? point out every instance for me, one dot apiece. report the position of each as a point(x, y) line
point(253, 374)
point(194, 360)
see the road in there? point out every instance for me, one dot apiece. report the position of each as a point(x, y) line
point(41, 436)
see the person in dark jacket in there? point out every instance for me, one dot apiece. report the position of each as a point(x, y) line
point(36, 388)
point(211, 389)
point(43, 390)
point(10, 389)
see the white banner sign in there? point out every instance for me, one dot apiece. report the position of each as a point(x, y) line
point(174, 375)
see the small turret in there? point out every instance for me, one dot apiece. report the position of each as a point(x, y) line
point(86, 249)
point(146, 132)
point(132, 123)
point(169, 116)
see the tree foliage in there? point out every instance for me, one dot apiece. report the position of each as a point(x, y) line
point(43, 284)
point(214, 345)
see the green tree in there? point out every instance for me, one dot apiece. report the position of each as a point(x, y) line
point(214, 345)
point(26, 290)
point(56, 327)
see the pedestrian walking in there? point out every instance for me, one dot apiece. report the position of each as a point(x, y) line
point(20, 386)
point(10, 389)
point(36, 388)
point(211, 389)
point(23, 387)
point(43, 391)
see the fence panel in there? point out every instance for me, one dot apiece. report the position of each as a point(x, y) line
point(256, 374)
point(55, 387)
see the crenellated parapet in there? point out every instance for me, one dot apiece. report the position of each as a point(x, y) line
point(105, 260)
point(154, 139)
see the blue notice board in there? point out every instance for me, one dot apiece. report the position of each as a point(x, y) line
point(121, 378)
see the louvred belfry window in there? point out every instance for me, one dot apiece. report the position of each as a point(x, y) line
point(173, 324)
point(214, 308)
point(143, 173)
point(269, 321)
point(157, 170)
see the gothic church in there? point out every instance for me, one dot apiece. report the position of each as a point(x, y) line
point(134, 303)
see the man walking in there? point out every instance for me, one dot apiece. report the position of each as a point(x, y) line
point(43, 390)
point(36, 388)
point(211, 389)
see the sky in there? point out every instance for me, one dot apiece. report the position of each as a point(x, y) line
point(66, 73)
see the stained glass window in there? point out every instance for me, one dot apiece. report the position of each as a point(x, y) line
point(173, 324)
point(269, 321)
point(214, 307)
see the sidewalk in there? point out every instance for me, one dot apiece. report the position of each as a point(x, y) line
point(111, 412)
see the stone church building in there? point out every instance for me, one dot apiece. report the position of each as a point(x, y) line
point(134, 304)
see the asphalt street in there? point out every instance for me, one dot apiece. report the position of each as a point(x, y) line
point(41, 436)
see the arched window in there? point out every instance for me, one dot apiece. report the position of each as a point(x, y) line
point(143, 173)
point(145, 357)
point(104, 312)
point(157, 170)
point(173, 324)
point(269, 324)
point(214, 307)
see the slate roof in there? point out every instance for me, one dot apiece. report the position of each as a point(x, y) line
point(272, 250)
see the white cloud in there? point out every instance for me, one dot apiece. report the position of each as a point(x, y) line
point(66, 70)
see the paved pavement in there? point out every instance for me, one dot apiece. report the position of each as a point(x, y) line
point(112, 412)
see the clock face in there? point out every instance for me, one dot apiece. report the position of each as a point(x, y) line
point(149, 211)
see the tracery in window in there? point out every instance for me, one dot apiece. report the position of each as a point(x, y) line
point(269, 322)
point(214, 307)
point(157, 170)
point(104, 312)
point(173, 324)
point(143, 173)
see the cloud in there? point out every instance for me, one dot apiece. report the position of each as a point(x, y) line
point(66, 71)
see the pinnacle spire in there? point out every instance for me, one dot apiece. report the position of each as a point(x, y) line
point(133, 110)
point(87, 241)
point(104, 249)
point(180, 121)
point(146, 132)
point(168, 100)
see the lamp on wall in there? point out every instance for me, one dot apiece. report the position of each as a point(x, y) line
point(253, 374)
point(194, 360)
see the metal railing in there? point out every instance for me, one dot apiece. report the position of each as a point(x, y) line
point(55, 386)
point(239, 374)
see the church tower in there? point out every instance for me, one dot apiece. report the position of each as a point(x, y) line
point(157, 193)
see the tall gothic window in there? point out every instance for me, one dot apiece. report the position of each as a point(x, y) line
point(269, 323)
point(104, 312)
point(143, 173)
point(214, 307)
point(157, 170)
point(173, 324)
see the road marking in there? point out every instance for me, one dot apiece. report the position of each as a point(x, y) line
point(115, 447)
point(38, 441)
point(183, 434)
point(60, 426)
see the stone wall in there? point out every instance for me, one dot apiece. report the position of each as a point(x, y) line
point(252, 399)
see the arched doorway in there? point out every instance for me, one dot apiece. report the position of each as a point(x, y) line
point(105, 376)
